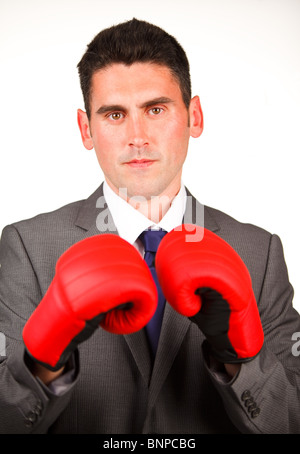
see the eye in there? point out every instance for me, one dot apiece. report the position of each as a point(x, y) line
point(155, 110)
point(115, 116)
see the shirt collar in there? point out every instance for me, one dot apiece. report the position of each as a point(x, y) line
point(130, 223)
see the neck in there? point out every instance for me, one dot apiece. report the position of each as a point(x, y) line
point(155, 207)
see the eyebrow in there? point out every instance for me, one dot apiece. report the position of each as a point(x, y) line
point(117, 107)
point(110, 108)
point(152, 102)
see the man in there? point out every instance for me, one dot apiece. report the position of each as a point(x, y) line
point(139, 118)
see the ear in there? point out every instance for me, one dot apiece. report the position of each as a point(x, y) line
point(196, 117)
point(84, 126)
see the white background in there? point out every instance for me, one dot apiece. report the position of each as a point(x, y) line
point(245, 66)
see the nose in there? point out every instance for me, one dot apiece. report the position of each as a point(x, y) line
point(137, 133)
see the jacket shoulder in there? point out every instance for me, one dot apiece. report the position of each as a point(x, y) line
point(234, 229)
point(61, 218)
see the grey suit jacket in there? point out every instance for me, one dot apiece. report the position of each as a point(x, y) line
point(115, 388)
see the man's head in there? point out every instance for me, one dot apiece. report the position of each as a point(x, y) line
point(139, 112)
point(131, 42)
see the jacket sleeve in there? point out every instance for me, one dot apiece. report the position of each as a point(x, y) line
point(264, 397)
point(26, 404)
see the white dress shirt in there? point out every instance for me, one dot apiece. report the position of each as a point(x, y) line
point(130, 223)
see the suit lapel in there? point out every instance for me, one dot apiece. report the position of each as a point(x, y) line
point(94, 216)
point(199, 214)
point(173, 331)
point(138, 345)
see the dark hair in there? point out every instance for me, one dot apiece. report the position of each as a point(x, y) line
point(130, 42)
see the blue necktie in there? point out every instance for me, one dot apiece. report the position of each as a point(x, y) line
point(151, 240)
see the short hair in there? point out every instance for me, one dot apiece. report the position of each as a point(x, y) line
point(132, 42)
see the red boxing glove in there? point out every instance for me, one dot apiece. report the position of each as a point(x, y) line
point(99, 280)
point(208, 281)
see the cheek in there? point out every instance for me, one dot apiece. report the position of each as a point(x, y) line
point(176, 128)
point(105, 155)
point(106, 145)
point(105, 137)
point(176, 138)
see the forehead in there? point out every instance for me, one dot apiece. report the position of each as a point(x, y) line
point(147, 79)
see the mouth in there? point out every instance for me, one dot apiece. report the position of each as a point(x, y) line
point(140, 163)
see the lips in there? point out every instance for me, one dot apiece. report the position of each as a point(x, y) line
point(140, 163)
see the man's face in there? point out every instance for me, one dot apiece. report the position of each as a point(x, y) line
point(140, 128)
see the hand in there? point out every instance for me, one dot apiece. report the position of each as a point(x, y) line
point(101, 280)
point(207, 281)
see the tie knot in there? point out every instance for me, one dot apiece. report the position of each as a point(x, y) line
point(151, 239)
